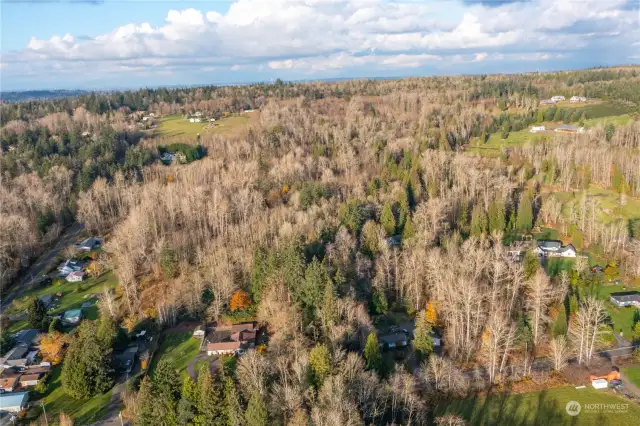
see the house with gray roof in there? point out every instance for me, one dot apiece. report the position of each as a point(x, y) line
point(628, 298)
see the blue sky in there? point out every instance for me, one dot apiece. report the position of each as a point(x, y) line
point(127, 44)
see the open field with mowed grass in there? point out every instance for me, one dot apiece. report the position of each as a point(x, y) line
point(622, 318)
point(73, 296)
point(177, 126)
point(608, 200)
point(56, 401)
point(633, 374)
point(542, 408)
point(179, 347)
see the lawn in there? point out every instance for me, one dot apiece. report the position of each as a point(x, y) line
point(633, 374)
point(622, 318)
point(542, 408)
point(56, 401)
point(179, 347)
point(555, 265)
point(495, 142)
point(73, 296)
point(176, 125)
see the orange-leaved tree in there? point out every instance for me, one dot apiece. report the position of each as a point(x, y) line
point(432, 313)
point(240, 300)
point(53, 347)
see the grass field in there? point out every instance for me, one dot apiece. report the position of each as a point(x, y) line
point(608, 200)
point(622, 318)
point(633, 373)
point(542, 408)
point(73, 296)
point(177, 126)
point(83, 412)
point(178, 347)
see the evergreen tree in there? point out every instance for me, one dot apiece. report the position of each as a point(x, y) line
point(211, 407)
point(352, 215)
point(147, 413)
point(86, 371)
point(167, 387)
point(422, 342)
point(388, 220)
point(55, 325)
point(329, 306)
point(36, 313)
point(525, 213)
point(478, 221)
point(320, 363)
point(315, 280)
point(496, 216)
point(234, 410)
point(409, 230)
point(372, 353)
point(256, 414)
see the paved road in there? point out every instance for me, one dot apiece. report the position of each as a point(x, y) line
point(36, 270)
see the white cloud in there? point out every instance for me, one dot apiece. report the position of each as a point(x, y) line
point(321, 35)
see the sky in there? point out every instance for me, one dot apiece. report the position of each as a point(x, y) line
point(118, 44)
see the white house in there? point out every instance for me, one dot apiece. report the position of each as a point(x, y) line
point(13, 402)
point(75, 277)
point(552, 248)
point(575, 99)
point(536, 129)
point(222, 348)
point(197, 120)
point(192, 120)
point(70, 266)
point(198, 114)
point(557, 98)
point(198, 332)
point(629, 298)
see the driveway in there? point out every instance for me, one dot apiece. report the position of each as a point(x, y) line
point(36, 270)
point(202, 356)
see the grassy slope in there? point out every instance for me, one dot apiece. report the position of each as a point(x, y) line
point(541, 408)
point(71, 299)
point(56, 401)
point(633, 374)
point(179, 347)
point(622, 318)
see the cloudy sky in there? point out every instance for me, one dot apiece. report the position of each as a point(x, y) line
point(127, 44)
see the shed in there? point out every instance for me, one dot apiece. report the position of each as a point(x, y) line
point(73, 316)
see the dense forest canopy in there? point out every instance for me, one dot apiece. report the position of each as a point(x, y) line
point(342, 205)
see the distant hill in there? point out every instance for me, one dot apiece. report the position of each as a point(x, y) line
point(32, 95)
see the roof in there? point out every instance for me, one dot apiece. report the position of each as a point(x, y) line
point(29, 377)
point(393, 338)
point(26, 336)
point(567, 248)
point(76, 274)
point(13, 399)
point(627, 296)
point(17, 352)
point(244, 336)
point(250, 326)
point(8, 382)
point(91, 242)
point(549, 244)
point(46, 299)
point(223, 346)
point(73, 313)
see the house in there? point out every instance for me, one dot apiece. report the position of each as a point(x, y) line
point(75, 277)
point(90, 243)
point(629, 298)
point(145, 118)
point(222, 348)
point(575, 99)
point(168, 157)
point(536, 129)
point(198, 114)
point(199, 332)
point(26, 337)
point(126, 359)
point(212, 120)
point(13, 402)
point(394, 340)
point(548, 246)
point(547, 102)
point(247, 326)
point(69, 266)
point(197, 120)
point(394, 241)
point(557, 98)
point(192, 120)
point(554, 248)
point(246, 337)
point(567, 128)
point(30, 379)
point(567, 251)
point(72, 317)
point(9, 380)
point(16, 357)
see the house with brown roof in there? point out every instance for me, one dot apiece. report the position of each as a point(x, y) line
point(9, 381)
point(222, 348)
point(31, 379)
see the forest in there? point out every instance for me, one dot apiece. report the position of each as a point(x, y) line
point(346, 209)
